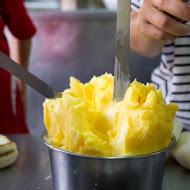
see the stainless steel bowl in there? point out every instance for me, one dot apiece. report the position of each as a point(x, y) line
point(72, 171)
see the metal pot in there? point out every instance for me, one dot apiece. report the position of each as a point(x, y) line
point(71, 171)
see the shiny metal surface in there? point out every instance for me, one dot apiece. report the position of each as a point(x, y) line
point(80, 172)
point(15, 69)
point(121, 72)
point(32, 170)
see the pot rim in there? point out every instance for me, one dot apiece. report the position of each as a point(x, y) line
point(43, 137)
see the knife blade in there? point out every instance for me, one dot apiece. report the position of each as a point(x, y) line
point(28, 78)
point(122, 71)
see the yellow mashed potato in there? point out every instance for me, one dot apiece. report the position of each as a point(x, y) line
point(86, 120)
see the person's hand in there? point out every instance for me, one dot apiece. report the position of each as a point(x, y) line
point(155, 24)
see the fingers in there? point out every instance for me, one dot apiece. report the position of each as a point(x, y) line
point(155, 24)
point(177, 8)
point(166, 23)
point(153, 32)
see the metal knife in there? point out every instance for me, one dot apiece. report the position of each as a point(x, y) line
point(122, 72)
point(15, 69)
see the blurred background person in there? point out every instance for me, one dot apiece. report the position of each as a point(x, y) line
point(14, 15)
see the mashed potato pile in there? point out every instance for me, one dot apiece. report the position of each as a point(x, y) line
point(86, 120)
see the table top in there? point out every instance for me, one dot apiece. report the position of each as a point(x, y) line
point(32, 170)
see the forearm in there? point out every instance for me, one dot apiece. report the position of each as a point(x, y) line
point(141, 44)
point(20, 51)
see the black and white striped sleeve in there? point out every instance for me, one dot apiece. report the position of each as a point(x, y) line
point(136, 4)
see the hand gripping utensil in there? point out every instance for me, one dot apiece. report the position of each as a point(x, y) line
point(122, 72)
point(15, 69)
point(175, 18)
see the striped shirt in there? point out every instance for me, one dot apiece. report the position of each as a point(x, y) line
point(173, 74)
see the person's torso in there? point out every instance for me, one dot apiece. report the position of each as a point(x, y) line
point(11, 110)
point(173, 75)
point(3, 41)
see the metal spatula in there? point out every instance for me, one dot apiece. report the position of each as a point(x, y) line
point(12, 67)
point(121, 72)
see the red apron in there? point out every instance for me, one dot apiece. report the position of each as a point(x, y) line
point(11, 110)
